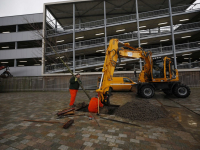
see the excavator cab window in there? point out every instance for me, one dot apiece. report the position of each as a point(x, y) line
point(173, 70)
point(167, 69)
point(158, 69)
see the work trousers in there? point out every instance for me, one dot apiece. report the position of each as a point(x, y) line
point(73, 96)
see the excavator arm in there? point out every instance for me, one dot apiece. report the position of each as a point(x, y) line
point(113, 53)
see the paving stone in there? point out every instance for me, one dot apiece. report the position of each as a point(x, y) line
point(134, 140)
point(122, 135)
point(86, 135)
point(111, 131)
point(108, 136)
point(24, 141)
point(51, 134)
point(116, 148)
point(120, 141)
point(63, 147)
point(3, 140)
point(11, 148)
point(110, 140)
point(88, 144)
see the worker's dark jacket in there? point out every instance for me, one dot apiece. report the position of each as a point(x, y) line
point(74, 84)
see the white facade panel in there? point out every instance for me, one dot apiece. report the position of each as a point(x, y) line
point(21, 53)
point(14, 20)
point(18, 36)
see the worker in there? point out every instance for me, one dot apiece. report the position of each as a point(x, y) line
point(93, 105)
point(73, 88)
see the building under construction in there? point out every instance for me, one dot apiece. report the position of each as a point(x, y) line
point(80, 31)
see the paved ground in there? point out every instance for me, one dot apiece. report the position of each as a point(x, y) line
point(180, 130)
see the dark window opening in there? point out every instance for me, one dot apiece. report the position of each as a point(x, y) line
point(30, 27)
point(7, 45)
point(29, 62)
point(7, 62)
point(29, 44)
point(7, 29)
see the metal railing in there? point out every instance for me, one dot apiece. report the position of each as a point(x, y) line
point(97, 61)
point(123, 19)
point(132, 36)
point(189, 65)
point(179, 48)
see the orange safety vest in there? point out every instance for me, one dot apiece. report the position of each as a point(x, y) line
point(93, 105)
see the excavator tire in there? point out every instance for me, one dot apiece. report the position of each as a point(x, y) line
point(147, 91)
point(181, 91)
point(167, 91)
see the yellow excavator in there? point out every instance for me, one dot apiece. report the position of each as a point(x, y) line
point(158, 74)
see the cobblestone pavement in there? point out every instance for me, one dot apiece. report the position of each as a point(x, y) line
point(180, 130)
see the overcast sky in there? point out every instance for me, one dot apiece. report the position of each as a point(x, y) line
point(21, 7)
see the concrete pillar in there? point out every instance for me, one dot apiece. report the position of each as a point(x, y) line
point(15, 63)
point(17, 28)
point(56, 26)
point(44, 46)
point(73, 38)
point(79, 23)
point(105, 32)
point(161, 47)
point(16, 45)
point(138, 29)
point(80, 61)
point(172, 33)
point(189, 62)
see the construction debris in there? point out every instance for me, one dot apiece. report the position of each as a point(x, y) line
point(68, 124)
point(140, 110)
point(65, 111)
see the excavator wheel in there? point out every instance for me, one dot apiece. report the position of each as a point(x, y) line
point(181, 91)
point(167, 91)
point(147, 91)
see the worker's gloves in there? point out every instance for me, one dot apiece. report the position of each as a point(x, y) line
point(76, 79)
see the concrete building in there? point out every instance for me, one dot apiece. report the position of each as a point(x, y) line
point(80, 30)
point(20, 46)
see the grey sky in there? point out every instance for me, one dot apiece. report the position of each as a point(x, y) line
point(20, 7)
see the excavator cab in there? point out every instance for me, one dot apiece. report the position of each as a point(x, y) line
point(163, 70)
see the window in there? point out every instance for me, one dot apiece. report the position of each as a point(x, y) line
point(127, 80)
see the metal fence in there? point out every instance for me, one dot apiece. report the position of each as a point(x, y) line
point(123, 19)
point(132, 36)
point(61, 83)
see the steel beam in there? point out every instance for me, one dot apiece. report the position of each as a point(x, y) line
point(138, 29)
point(105, 32)
point(74, 38)
point(172, 34)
